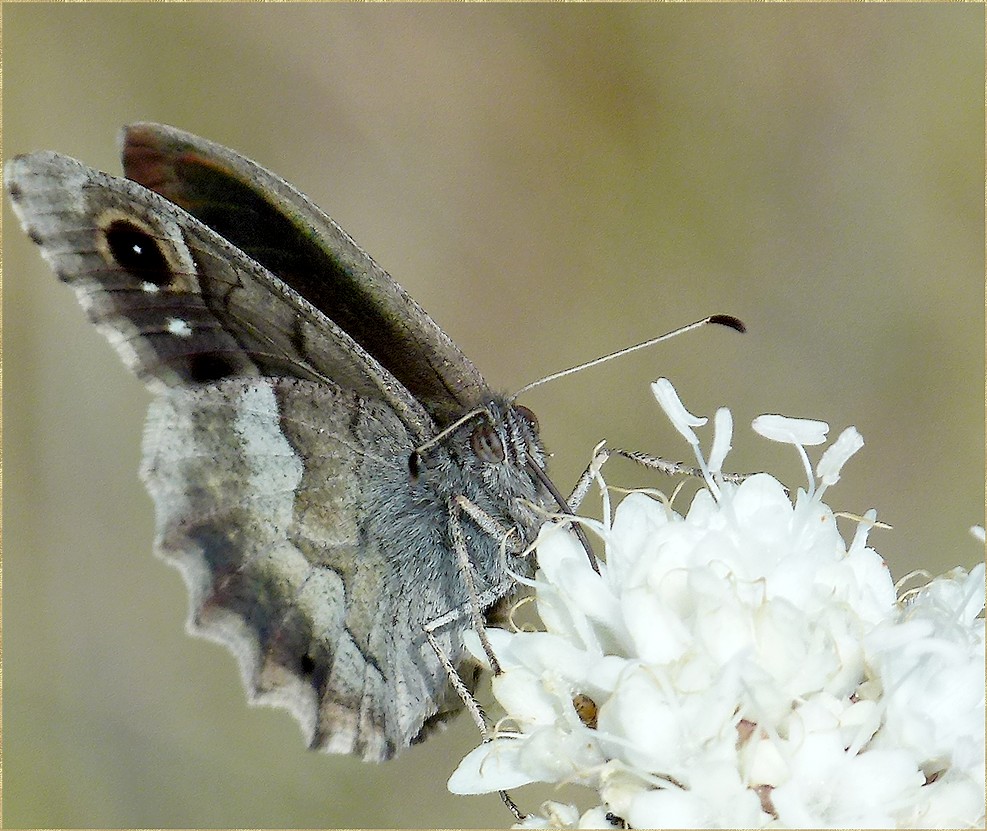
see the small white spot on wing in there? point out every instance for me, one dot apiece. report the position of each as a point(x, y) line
point(178, 327)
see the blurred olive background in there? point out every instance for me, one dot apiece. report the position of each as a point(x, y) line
point(551, 183)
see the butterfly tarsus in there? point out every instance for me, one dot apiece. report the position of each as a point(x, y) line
point(519, 815)
point(469, 701)
point(666, 466)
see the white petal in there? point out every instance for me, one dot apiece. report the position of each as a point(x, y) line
point(680, 417)
point(803, 431)
point(552, 755)
point(722, 436)
point(494, 766)
point(837, 454)
point(668, 808)
point(524, 696)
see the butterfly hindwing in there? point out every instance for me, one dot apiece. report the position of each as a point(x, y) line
point(268, 495)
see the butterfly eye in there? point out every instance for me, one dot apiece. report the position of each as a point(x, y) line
point(528, 416)
point(487, 444)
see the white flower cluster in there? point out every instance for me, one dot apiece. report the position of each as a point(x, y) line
point(740, 666)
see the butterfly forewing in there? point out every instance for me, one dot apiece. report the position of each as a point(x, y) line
point(280, 228)
point(179, 302)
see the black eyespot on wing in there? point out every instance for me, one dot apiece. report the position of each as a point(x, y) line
point(487, 444)
point(208, 366)
point(138, 253)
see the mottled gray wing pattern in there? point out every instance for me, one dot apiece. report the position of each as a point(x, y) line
point(272, 497)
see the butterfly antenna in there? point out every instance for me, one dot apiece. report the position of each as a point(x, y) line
point(452, 428)
point(721, 320)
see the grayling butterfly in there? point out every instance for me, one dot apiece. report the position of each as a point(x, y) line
point(332, 476)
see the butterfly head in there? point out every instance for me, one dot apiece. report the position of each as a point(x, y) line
point(492, 444)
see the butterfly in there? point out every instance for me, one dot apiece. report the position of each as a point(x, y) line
point(340, 488)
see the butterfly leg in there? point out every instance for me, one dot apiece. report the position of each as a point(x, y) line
point(476, 603)
point(665, 466)
point(469, 701)
point(467, 697)
point(489, 525)
point(486, 522)
point(588, 476)
point(473, 608)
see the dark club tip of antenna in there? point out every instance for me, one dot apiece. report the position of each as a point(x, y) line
point(729, 320)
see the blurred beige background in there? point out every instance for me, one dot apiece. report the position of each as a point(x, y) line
point(551, 182)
